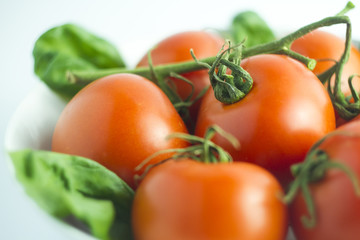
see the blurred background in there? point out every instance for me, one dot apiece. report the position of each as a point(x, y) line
point(133, 26)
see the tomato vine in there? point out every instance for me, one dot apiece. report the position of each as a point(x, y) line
point(346, 109)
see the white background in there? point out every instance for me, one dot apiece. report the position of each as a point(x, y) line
point(133, 26)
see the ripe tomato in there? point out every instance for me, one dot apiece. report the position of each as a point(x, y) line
point(283, 115)
point(176, 48)
point(337, 207)
point(323, 45)
point(118, 121)
point(185, 199)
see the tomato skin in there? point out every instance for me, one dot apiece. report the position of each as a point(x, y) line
point(191, 200)
point(176, 48)
point(357, 118)
point(337, 207)
point(118, 121)
point(323, 45)
point(283, 115)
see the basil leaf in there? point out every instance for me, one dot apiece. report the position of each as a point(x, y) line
point(249, 26)
point(70, 47)
point(70, 186)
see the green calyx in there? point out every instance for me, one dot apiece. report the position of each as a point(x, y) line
point(200, 149)
point(228, 88)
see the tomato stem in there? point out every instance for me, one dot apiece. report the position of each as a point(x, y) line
point(229, 88)
point(200, 149)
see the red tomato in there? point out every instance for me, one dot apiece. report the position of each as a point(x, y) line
point(337, 207)
point(118, 121)
point(283, 115)
point(323, 45)
point(176, 48)
point(190, 200)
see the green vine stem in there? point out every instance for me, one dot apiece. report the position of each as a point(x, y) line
point(281, 46)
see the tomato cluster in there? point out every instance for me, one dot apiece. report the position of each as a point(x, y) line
point(122, 119)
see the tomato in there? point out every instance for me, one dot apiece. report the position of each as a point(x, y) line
point(186, 199)
point(176, 48)
point(283, 115)
point(337, 207)
point(323, 45)
point(118, 121)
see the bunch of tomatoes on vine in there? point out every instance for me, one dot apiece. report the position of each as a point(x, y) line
point(221, 140)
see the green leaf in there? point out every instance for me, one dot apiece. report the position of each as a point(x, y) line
point(71, 186)
point(249, 26)
point(70, 47)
